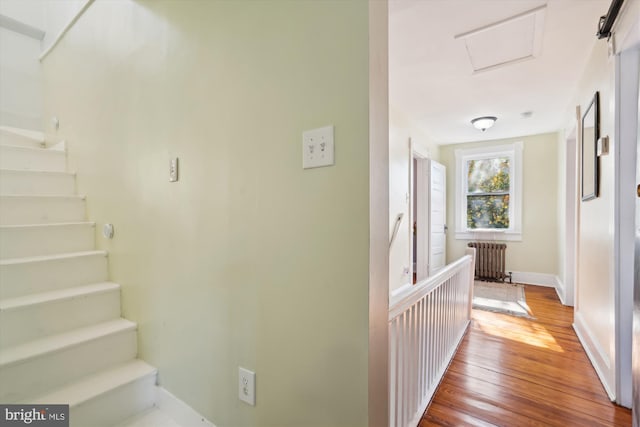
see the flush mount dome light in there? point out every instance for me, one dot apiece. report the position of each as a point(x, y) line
point(483, 123)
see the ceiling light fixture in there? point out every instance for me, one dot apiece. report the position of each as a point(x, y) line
point(483, 123)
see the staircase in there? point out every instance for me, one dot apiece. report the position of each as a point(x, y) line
point(62, 339)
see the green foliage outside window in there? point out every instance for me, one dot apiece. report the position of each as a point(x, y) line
point(488, 193)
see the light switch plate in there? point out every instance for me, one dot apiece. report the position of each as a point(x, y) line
point(247, 386)
point(317, 148)
point(173, 170)
point(602, 146)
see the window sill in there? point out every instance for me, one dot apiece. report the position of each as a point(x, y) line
point(511, 236)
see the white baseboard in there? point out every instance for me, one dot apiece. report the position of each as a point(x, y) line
point(179, 411)
point(560, 290)
point(540, 279)
point(596, 354)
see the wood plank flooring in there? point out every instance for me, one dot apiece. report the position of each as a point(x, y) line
point(512, 371)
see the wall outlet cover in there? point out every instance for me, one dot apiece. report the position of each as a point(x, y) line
point(173, 169)
point(247, 386)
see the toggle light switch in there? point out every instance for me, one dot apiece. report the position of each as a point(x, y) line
point(317, 148)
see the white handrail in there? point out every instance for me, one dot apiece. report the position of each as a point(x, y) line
point(398, 304)
point(426, 324)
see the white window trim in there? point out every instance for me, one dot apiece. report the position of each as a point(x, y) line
point(514, 232)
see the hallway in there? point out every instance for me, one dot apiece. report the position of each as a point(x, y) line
point(512, 371)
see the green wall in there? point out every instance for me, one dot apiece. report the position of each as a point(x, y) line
point(248, 260)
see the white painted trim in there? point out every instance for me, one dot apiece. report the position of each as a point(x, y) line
point(626, 29)
point(560, 290)
point(37, 136)
point(571, 217)
point(514, 151)
point(57, 146)
point(418, 151)
point(576, 271)
point(626, 131)
point(66, 28)
point(20, 27)
point(406, 288)
point(539, 279)
point(402, 301)
point(595, 352)
point(378, 357)
point(486, 235)
point(179, 411)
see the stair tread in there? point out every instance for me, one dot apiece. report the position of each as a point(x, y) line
point(96, 384)
point(48, 225)
point(25, 260)
point(57, 295)
point(44, 196)
point(153, 417)
point(36, 171)
point(35, 149)
point(33, 135)
point(57, 342)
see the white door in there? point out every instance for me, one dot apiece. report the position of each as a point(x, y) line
point(437, 221)
point(421, 220)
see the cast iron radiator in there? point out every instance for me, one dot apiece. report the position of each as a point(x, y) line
point(490, 260)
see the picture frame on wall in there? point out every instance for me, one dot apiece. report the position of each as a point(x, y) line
point(590, 134)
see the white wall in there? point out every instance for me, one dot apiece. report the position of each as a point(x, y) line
point(248, 260)
point(30, 12)
point(595, 293)
point(21, 103)
point(401, 131)
point(57, 14)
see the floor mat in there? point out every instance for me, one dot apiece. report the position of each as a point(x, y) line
point(501, 298)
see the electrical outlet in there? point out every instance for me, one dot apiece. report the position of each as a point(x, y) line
point(317, 147)
point(247, 386)
point(173, 170)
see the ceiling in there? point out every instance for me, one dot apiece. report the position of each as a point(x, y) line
point(541, 54)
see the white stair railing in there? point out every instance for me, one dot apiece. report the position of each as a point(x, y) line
point(426, 325)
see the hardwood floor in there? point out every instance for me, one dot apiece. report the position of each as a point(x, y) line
point(511, 371)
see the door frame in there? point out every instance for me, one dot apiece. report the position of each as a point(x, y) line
point(572, 215)
point(421, 218)
point(625, 152)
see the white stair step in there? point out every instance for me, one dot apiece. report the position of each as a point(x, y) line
point(21, 137)
point(27, 158)
point(153, 417)
point(24, 182)
point(107, 397)
point(31, 209)
point(24, 276)
point(46, 239)
point(43, 365)
point(36, 316)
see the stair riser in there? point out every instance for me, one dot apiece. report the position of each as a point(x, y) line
point(115, 406)
point(20, 325)
point(24, 183)
point(8, 138)
point(38, 160)
point(29, 278)
point(40, 210)
point(35, 241)
point(45, 373)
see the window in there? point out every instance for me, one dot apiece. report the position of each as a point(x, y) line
point(488, 192)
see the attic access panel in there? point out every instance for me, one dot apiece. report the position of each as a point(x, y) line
point(508, 41)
